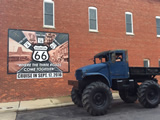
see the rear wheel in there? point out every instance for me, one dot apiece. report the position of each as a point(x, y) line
point(97, 98)
point(127, 97)
point(76, 97)
point(149, 94)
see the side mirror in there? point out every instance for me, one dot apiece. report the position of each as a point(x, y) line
point(94, 60)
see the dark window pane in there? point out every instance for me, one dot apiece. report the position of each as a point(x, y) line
point(93, 19)
point(146, 64)
point(129, 27)
point(158, 30)
point(158, 26)
point(92, 14)
point(158, 22)
point(93, 24)
point(49, 8)
point(128, 18)
point(49, 20)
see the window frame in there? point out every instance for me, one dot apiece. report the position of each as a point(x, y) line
point(157, 17)
point(48, 26)
point(148, 61)
point(93, 30)
point(129, 13)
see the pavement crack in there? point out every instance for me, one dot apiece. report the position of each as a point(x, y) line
point(51, 101)
point(19, 104)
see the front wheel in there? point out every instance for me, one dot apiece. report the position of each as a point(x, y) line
point(149, 94)
point(96, 98)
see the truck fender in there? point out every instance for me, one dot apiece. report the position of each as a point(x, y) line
point(94, 74)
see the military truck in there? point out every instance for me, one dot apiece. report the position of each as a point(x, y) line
point(93, 84)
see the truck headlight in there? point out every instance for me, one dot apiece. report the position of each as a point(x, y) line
point(78, 74)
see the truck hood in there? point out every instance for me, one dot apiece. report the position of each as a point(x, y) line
point(93, 67)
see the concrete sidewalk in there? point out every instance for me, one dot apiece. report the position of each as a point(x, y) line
point(8, 110)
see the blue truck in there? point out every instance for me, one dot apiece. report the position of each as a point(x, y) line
point(93, 84)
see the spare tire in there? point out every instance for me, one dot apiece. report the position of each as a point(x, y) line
point(126, 97)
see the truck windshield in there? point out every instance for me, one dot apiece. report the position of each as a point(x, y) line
point(101, 59)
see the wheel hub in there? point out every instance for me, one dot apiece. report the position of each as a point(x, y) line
point(99, 99)
point(152, 94)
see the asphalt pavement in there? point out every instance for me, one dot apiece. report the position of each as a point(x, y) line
point(119, 111)
point(62, 108)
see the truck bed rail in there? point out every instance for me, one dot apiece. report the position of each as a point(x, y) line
point(144, 70)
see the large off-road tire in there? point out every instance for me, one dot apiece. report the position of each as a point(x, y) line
point(76, 97)
point(149, 94)
point(97, 98)
point(127, 97)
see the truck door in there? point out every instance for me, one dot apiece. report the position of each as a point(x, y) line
point(118, 66)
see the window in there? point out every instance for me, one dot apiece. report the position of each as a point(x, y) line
point(48, 14)
point(93, 22)
point(158, 25)
point(129, 23)
point(119, 57)
point(146, 63)
point(159, 62)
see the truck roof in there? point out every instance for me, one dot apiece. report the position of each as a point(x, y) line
point(104, 53)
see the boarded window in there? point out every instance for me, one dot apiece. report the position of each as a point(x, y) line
point(158, 25)
point(146, 63)
point(93, 19)
point(129, 23)
point(48, 12)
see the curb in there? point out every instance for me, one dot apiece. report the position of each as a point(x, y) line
point(45, 107)
point(9, 107)
point(39, 104)
point(5, 109)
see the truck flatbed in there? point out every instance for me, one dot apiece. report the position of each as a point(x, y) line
point(144, 71)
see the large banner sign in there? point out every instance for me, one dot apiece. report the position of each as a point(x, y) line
point(33, 54)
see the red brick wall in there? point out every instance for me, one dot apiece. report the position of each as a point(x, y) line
point(71, 16)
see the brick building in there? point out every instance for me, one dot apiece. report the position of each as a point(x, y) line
point(90, 26)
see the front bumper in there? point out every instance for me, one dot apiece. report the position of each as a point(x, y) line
point(73, 83)
point(79, 85)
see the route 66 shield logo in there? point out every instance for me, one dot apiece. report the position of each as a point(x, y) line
point(40, 53)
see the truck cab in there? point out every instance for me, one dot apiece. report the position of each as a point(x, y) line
point(108, 66)
point(117, 63)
